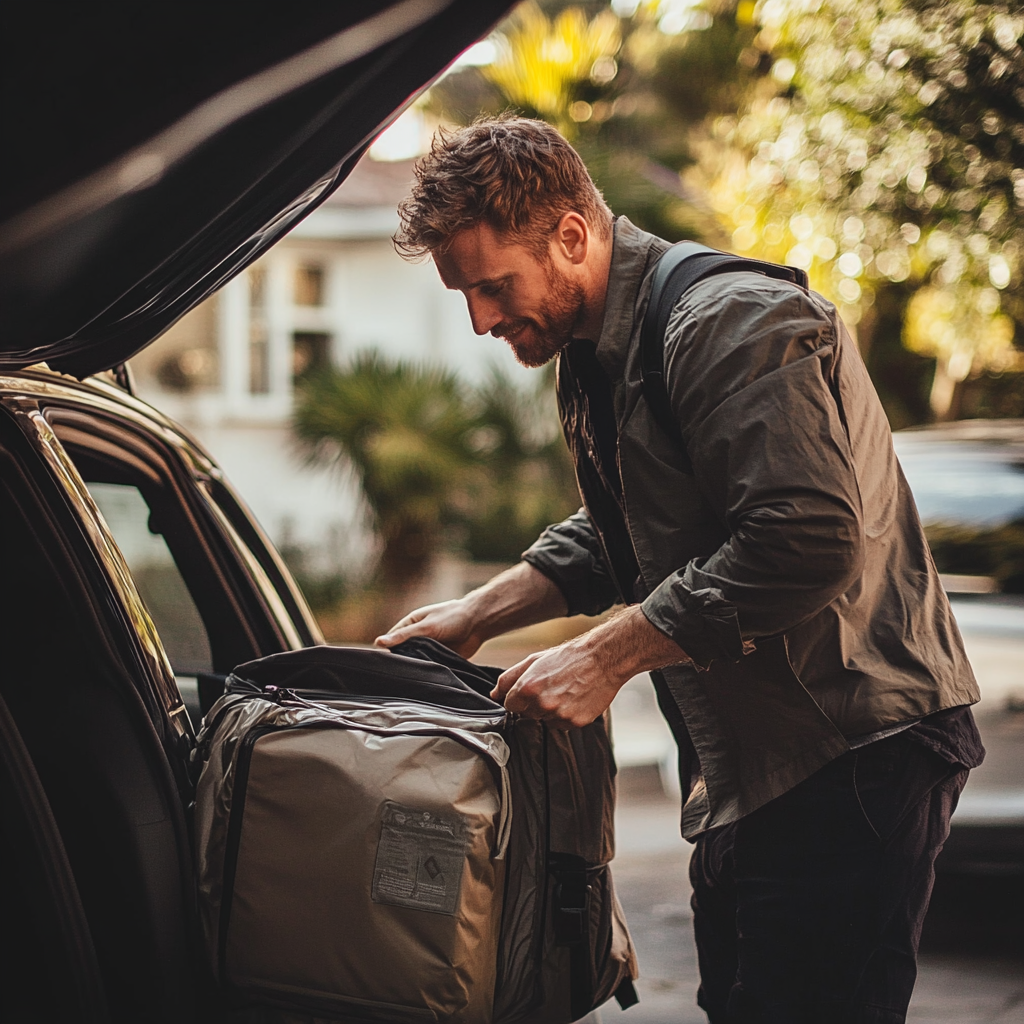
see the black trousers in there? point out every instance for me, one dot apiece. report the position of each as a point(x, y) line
point(809, 910)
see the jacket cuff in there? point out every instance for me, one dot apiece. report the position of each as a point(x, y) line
point(579, 574)
point(702, 622)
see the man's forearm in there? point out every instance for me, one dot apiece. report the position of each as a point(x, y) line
point(520, 596)
point(628, 644)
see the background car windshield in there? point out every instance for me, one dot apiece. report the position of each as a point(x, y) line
point(963, 482)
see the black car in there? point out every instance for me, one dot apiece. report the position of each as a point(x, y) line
point(968, 482)
point(150, 154)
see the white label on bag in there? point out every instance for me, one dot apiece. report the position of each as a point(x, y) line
point(420, 858)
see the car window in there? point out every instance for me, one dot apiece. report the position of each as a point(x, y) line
point(156, 575)
point(970, 495)
point(963, 483)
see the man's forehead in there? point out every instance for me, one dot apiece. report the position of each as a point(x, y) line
point(478, 255)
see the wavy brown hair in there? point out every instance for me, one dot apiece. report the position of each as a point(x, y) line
point(517, 174)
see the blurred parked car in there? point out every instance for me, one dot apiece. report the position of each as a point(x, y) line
point(968, 481)
point(149, 157)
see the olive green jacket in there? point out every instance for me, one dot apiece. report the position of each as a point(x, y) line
point(787, 560)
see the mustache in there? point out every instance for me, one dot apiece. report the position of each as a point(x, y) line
point(509, 327)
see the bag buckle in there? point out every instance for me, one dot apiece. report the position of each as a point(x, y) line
point(571, 898)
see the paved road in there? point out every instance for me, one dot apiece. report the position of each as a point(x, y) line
point(972, 963)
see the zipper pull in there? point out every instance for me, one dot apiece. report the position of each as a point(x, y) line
point(281, 694)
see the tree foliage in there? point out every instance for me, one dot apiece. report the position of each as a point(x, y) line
point(408, 433)
point(439, 462)
point(626, 90)
point(529, 476)
point(885, 149)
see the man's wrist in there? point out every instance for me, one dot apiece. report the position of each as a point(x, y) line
point(629, 644)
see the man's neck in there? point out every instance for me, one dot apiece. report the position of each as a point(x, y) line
point(590, 323)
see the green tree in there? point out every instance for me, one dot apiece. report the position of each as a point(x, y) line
point(529, 476)
point(627, 90)
point(882, 154)
point(409, 433)
point(482, 469)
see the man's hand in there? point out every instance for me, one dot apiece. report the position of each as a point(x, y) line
point(564, 686)
point(572, 684)
point(450, 622)
point(520, 596)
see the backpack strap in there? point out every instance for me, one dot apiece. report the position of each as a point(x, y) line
point(676, 272)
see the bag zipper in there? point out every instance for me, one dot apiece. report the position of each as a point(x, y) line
point(277, 694)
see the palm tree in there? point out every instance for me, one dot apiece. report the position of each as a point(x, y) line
point(530, 480)
point(409, 432)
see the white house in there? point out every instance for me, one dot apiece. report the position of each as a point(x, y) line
point(332, 287)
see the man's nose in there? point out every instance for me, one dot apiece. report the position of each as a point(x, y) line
point(484, 315)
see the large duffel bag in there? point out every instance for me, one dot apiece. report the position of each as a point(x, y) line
point(359, 856)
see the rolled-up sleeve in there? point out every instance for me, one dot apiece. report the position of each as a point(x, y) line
point(569, 554)
point(764, 429)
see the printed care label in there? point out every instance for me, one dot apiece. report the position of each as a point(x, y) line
point(420, 858)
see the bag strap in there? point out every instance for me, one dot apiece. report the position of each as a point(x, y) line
point(676, 272)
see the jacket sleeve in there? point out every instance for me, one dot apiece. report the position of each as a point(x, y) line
point(570, 555)
point(751, 365)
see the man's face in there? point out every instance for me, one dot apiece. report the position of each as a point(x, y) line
point(514, 293)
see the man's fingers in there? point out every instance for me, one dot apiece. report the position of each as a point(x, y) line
point(398, 635)
point(402, 629)
point(510, 677)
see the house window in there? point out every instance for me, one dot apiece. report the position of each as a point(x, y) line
point(259, 366)
point(309, 285)
point(311, 352)
point(259, 348)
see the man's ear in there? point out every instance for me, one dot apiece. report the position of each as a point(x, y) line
point(572, 237)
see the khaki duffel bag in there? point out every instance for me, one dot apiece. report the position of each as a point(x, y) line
point(368, 848)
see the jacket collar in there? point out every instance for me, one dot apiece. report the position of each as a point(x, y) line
point(633, 251)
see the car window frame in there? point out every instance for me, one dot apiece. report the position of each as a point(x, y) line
point(105, 434)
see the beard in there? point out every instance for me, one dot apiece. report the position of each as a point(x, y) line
point(537, 340)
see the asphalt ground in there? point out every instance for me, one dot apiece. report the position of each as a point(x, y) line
point(972, 959)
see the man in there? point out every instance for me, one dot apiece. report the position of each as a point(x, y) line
point(775, 578)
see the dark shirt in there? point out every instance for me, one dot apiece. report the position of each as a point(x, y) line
point(952, 734)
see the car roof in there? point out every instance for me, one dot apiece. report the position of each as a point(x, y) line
point(984, 431)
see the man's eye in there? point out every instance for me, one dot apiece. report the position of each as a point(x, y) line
point(493, 289)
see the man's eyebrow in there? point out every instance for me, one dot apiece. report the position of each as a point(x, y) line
point(489, 280)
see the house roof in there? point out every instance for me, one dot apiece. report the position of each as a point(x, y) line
point(374, 183)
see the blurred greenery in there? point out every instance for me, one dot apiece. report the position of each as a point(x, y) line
point(408, 432)
point(880, 152)
point(878, 144)
point(529, 476)
point(482, 469)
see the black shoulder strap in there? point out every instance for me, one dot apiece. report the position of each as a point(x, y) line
point(678, 270)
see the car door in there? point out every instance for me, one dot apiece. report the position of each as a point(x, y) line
point(215, 589)
point(92, 713)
